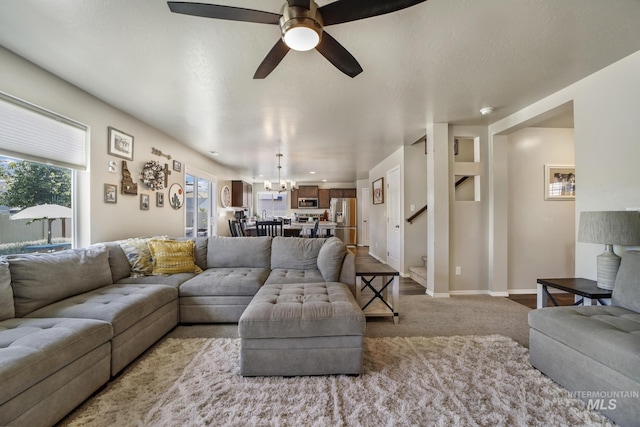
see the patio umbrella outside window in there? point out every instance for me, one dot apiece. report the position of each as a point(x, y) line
point(49, 212)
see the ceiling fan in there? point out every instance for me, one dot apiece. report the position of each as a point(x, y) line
point(301, 24)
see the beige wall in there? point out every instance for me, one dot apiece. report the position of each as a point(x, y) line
point(99, 221)
point(468, 232)
point(415, 193)
point(378, 213)
point(541, 232)
point(606, 111)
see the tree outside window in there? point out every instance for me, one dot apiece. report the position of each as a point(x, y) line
point(24, 184)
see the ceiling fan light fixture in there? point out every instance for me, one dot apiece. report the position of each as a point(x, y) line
point(301, 38)
point(301, 28)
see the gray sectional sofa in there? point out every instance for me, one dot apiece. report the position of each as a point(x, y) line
point(71, 320)
point(594, 351)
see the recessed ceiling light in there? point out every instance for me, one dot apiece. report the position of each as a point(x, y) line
point(312, 172)
point(214, 153)
point(324, 180)
point(486, 110)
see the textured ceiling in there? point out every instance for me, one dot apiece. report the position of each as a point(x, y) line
point(439, 61)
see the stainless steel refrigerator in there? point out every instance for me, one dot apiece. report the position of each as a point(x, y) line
point(343, 213)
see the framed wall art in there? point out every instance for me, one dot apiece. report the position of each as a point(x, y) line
point(177, 166)
point(160, 200)
point(110, 193)
point(144, 202)
point(120, 144)
point(378, 191)
point(176, 196)
point(559, 182)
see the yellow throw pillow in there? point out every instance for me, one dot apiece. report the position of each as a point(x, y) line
point(139, 255)
point(173, 256)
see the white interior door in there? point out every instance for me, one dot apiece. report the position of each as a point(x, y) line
point(394, 221)
point(364, 218)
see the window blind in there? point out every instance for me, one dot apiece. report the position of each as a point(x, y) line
point(33, 133)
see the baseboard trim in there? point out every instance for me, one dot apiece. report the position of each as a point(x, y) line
point(437, 295)
point(499, 294)
point(467, 292)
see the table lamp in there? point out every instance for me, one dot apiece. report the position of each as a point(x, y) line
point(609, 228)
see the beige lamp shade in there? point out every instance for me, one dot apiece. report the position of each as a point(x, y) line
point(609, 228)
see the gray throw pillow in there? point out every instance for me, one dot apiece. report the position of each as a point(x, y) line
point(41, 279)
point(626, 291)
point(330, 259)
point(7, 311)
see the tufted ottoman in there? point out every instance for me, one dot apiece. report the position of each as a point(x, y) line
point(302, 329)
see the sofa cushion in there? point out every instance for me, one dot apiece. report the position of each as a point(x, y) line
point(120, 305)
point(173, 256)
point(295, 253)
point(225, 281)
point(231, 252)
point(174, 280)
point(118, 262)
point(33, 349)
point(610, 335)
point(7, 310)
point(41, 279)
point(302, 310)
point(284, 275)
point(330, 259)
point(626, 292)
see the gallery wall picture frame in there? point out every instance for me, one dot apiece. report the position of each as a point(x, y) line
point(378, 191)
point(144, 202)
point(120, 144)
point(177, 166)
point(160, 199)
point(110, 193)
point(176, 196)
point(559, 182)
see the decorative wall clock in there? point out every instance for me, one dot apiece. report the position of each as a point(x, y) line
point(225, 196)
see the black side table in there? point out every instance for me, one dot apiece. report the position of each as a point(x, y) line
point(586, 291)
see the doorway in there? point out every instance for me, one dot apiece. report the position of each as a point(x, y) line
point(394, 218)
point(200, 204)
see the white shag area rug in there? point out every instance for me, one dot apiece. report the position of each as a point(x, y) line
point(411, 381)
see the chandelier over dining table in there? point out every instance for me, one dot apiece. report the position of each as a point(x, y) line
point(282, 185)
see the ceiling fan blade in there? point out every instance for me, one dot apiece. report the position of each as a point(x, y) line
point(352, 10)
point(338, 55)
point(299, 3)
point(271, 61)
point(223, 12)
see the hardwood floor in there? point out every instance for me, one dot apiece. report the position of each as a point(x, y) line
point(409, 287)
point(530, 299)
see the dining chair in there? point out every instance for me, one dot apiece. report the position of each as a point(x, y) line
point(314, 230)
point(269, 228)
point(237, 228)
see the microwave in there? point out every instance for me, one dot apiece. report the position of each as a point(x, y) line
point(307, 203)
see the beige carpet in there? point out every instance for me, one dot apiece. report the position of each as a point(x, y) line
point(448, 381)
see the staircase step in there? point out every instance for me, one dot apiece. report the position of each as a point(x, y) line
point(419, 274)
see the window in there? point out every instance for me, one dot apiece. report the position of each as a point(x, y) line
point(40, 152)
point(30, 191)
point(271, 205)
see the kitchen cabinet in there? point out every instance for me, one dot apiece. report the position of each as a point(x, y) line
point(308, 192)
point(337, 193)
point(324, 198)
point(294, 199)
point(241, 194)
